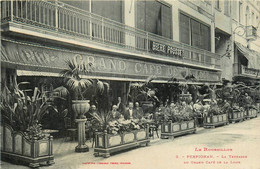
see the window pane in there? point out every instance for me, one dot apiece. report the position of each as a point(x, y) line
point(195, 33)
point(226, 7)
point(184, 29)
point(166, 21)
point(205, 37)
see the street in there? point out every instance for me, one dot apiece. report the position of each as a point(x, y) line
point(235, 146)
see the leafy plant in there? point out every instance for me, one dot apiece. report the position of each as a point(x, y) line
point(21, 111)
point(143, 91)
point(74, 81)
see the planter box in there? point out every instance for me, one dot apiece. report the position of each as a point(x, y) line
point(251, 113)
point(16, 147)
point(236, 116)
point(105, 144)
point(216, 120)
point(170, 130)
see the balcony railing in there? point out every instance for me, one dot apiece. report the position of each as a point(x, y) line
point(251, 32)
point(65, 19)
point(250, 71)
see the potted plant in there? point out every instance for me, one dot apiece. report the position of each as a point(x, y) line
point(145, 93)
point(114, 135)
point(22, 136)
point(180, 121)
point(215, 117)
point(77, 87)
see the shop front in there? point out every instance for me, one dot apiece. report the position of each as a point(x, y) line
point(41, 66)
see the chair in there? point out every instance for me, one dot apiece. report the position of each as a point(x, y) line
point(69, 131)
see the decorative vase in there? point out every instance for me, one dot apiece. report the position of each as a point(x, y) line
point(80, 107)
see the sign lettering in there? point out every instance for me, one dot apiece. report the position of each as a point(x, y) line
point(166, 49)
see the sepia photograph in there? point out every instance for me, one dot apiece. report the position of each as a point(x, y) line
point(130, 84)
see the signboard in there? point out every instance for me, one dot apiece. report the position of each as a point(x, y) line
point(163, 49)
point(101, 64)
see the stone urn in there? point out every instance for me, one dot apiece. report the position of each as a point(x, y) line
point(80, 107)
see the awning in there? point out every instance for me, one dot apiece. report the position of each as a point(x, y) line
point(252, 56)
point(37, 60)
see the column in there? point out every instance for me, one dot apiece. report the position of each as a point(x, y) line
point(81, 147)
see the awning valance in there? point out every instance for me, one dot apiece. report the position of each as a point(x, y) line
point(38, 60)
point(252, 56)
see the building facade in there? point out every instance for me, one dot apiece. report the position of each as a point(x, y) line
point(130, 40)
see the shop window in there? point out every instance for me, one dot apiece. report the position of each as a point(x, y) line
point(155, 17)
point(194, 33)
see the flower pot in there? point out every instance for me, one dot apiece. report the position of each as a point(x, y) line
point(109, 143)
point(17, 147)
point(80, 107)
point(170, 130)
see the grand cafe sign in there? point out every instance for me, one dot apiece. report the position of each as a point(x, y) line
point(102, 65)
point(137, 68)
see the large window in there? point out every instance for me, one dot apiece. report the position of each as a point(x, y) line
point(112, 9)
point(155, 17)
point(195, 33)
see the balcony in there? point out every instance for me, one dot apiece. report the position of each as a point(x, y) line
point(57, 19)
point(251, 32)
point(250, 71)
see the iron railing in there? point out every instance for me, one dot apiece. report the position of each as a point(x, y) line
point(63, 18)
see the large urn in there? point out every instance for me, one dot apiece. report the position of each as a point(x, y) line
point(80, 107)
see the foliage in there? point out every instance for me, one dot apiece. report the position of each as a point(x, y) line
point(73, 81)
point(103, 102)
point(143, 91)
point(21, 111)
point(120, 126)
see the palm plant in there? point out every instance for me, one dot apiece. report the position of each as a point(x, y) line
point(103, 101)
point(142, 91)
point(74, 82)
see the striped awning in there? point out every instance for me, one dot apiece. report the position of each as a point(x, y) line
point(252, 56)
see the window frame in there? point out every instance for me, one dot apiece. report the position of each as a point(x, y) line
point(190, 29)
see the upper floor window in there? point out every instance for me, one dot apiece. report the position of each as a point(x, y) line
point(247, 16)
point(240, 12)
point(194, 33)
point(112, 9)
point(253, 18)
point(208, 2)
point(217, 5)
point(155, 17)
point(227, 7)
